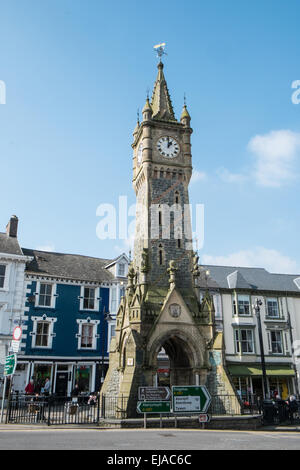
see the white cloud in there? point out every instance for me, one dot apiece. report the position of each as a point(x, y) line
point(258, 257)
point(48, 247)
point(229, 177)
point(275, 154)
point(198, 176)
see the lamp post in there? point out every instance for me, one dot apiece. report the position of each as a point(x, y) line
point(106, 317)
point(256, 306)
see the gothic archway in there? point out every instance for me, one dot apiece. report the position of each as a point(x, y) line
point(174, 359)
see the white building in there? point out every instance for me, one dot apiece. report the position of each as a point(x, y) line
point(235, 291)
point(12, 288)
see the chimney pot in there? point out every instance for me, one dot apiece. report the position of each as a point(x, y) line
point(12, 227)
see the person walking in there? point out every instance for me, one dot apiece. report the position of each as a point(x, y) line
point(29, 389)
point(292, 407)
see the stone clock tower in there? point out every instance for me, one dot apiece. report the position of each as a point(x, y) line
point(161, 308)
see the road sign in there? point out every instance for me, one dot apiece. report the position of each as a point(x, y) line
point(17, 333)
point(154, 407)
point(15, 346)
point(190, 399)
point(204, 418)
point(10, 364)
point(154, 393)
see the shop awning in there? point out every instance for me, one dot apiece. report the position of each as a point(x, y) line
point(278, 370)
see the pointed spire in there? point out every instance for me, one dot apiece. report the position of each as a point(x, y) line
point(161, 102)
point(136, 129)
point(185, 113)
point(147, 110)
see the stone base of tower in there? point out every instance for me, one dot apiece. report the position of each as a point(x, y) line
point(225, 399)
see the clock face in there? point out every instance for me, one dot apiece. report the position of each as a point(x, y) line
point(168, 147)
point(140, 154)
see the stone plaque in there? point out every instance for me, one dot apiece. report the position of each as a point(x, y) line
point(175, 310)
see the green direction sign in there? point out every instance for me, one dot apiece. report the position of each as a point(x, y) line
point(10, 364)
point(153, 406)
point(190, 399)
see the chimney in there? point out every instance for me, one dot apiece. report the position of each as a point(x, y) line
point(12, 227)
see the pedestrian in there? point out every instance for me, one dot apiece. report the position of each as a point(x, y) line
point(46, 389)
point(281, 408)
point(29, 389)
point(92, 398)
point(292, 407)
point(75, 393)
point(259, 404)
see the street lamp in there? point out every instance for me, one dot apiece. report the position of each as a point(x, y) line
point(256, 307)
point(106, 317)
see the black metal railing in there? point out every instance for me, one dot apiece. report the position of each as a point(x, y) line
point(51, 410)
point(56, 410)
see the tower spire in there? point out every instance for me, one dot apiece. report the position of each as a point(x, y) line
point(161, 103)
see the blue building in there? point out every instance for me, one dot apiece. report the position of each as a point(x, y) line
point(66, 326)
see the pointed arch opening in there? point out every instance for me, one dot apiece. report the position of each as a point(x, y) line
point(174, 360)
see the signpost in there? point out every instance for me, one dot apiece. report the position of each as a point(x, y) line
point(154, 407)
point(190, 399)
point(154, 393)
point(10, 365)
point(9, 370)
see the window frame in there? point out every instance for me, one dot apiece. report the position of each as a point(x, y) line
point(51, 334)
point(268, 299)
point(238, 342)
point(52, 297)
point(5, 286)
point(276, 353)
point(95, 335)
point(235, 305)
point(96, 298)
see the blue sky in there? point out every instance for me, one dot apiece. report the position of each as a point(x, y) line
point(75, 73)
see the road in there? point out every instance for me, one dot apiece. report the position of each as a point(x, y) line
point(163, 439)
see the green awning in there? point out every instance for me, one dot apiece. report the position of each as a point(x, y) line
point(279, 370)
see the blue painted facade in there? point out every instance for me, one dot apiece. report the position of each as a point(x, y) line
point(63, 361)
point(67, 312)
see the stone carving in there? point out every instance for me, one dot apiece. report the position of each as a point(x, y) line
point(195, 269)
point(172, 271)
point(145, 261)
point(175, 310)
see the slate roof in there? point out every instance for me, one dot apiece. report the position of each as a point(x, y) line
point(9, 245)
point(229, 277)
point(68, 266)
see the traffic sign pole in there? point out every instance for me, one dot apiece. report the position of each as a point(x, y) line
point(3, 398)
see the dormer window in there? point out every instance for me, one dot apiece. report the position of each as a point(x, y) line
point(121, 269)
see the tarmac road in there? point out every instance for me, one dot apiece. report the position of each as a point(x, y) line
point(12, 438)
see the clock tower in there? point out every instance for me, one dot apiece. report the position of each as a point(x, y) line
point(161, 310)
point(162, 168)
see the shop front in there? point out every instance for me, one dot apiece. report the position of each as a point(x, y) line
point(63, 376)
point(248, 380)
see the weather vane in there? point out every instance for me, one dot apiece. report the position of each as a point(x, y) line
point(160, 49)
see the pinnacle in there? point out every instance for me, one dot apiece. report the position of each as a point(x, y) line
point(161, 102)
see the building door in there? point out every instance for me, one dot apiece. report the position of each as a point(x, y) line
point(61, 383)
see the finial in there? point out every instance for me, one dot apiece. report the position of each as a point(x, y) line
point(147, 92)
point(184, 99)
point(138, 115)
point(160, 50)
